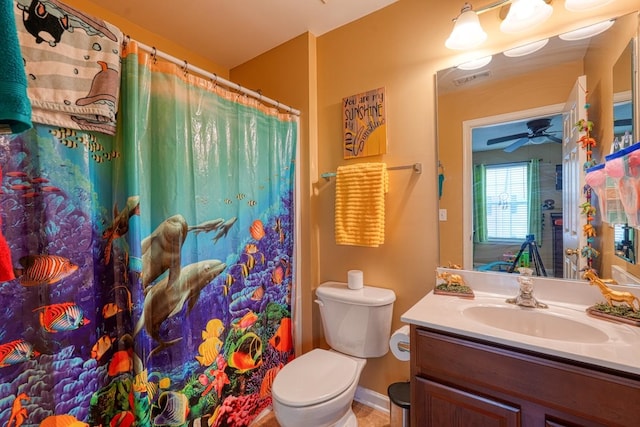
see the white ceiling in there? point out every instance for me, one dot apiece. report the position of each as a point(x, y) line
point(231, 32)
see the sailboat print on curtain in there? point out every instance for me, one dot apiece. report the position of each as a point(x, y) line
point(153, 268)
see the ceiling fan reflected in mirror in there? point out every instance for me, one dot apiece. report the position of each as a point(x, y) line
point(538, 132)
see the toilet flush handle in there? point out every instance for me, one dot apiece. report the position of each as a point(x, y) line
point(319, 302)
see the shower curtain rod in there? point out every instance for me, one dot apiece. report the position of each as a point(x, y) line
point(216, 79)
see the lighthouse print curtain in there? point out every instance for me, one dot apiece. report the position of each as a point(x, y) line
point(147, 276)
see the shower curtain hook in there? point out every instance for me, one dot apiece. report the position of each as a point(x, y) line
point(215, 81)
point(154, 55)
point(125, 41)
point(185, 67)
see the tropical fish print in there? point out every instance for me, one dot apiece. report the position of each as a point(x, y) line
point(121, 361)
point(174, 408)
point(62, 421)
point(282, 339)
point(247, 321)
point(214, 328)
point(257, 230)
point(66, 316)
point(103, 345)
point(209, 350)
point(123, 419)
point(44, 269)
point(15, 352)
point(267, 380)
point(247, 354)
point(143, 384)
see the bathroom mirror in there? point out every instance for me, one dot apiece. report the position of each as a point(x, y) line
point(525, 96)
point(625, 243)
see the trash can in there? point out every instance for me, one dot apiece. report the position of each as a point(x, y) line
point(400, 403)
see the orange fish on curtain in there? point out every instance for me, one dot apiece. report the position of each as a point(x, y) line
point(66, 316)
point(44, 269)
point(15, 352)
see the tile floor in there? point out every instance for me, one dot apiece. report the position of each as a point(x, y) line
point(367, 417)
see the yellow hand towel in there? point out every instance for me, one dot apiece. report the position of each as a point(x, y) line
point(359, 210)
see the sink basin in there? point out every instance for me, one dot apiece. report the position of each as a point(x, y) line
point(535, 322)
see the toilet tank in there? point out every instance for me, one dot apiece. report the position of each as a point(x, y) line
point(356, 322)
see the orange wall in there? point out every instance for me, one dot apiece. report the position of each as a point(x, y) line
point(399, 47)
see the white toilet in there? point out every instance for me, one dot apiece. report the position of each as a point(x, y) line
point(317, 388)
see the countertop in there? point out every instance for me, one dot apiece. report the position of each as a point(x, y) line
point(614, 345)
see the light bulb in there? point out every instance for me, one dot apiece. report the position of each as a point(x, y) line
point(525, 14)
point(467, 32)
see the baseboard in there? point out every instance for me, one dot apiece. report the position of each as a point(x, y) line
point(373, 399)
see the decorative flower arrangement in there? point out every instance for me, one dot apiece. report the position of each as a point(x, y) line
point(588, 142)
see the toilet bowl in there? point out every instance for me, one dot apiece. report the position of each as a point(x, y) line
point(317, 389)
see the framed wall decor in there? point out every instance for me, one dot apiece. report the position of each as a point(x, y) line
point(365, 124)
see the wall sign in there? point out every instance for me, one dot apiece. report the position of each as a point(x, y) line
point(365, 124)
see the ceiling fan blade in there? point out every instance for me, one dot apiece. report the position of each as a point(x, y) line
point(507, 138)
point(554, 138)
point(513, 147)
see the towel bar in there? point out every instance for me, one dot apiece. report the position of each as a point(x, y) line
point(417, 168)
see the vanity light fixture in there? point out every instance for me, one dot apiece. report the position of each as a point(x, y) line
point(467, 32)
point(526, 49)
point(581, 5)
point(474, 64)
point(586, 32)
point(524, 14)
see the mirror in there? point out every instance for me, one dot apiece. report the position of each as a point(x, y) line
point(525, 96)
point(624, 242)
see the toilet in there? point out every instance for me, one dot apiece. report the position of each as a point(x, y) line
point(317, 388)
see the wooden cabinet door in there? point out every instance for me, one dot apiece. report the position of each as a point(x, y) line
point(442, 405)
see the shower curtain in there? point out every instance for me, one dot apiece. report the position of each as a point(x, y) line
point(153, 269)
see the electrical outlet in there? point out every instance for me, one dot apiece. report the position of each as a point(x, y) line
point(442, 213)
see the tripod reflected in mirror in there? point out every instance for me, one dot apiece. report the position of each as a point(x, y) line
point(535, 261)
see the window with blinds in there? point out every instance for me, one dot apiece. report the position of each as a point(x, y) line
point(507, 201)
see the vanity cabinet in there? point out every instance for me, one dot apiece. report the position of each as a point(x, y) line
point(458, 381)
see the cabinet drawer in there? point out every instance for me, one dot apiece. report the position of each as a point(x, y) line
point(441, 405)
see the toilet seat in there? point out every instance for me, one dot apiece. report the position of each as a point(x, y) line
point(313, 378)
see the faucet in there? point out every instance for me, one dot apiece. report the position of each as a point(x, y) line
point(525, 298)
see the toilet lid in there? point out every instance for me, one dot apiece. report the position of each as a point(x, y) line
point(314, 377)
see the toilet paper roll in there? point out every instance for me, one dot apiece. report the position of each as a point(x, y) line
point(399, 343)
point(355, 279)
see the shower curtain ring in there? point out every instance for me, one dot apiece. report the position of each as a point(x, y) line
point(185, 67)
point(154, 55)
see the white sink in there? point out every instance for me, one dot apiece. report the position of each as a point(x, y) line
point(535, 322)
point(564, 329)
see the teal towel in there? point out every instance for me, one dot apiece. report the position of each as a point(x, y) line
point(15, 107)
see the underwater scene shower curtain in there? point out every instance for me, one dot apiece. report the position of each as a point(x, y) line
point(152, 271)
